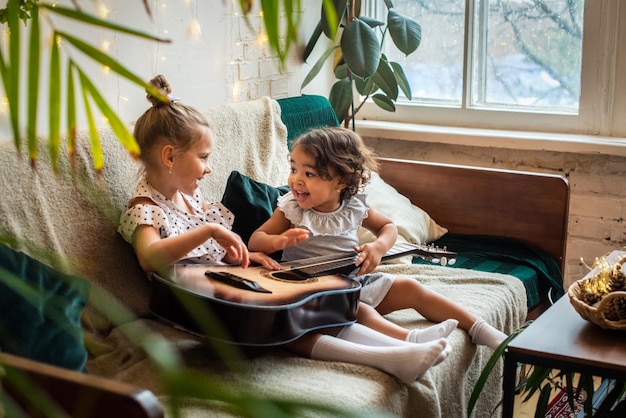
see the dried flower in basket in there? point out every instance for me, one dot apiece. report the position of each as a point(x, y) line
point(610, 278)
point(602, 298)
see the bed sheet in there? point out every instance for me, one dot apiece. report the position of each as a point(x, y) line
point(539, 272)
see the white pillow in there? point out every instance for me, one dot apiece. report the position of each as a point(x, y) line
point(414, 224)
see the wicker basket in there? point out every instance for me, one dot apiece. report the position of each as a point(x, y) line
point(596, 313)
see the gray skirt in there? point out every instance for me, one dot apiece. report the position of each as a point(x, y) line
point(375, 287)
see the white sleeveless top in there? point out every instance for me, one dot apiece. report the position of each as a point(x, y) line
point(330, 232)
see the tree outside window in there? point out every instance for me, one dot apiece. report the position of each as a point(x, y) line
point(521, 54)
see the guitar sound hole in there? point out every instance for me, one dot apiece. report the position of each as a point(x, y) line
point(290, 276)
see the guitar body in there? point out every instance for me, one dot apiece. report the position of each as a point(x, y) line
point(258, 307)
point(293, 308)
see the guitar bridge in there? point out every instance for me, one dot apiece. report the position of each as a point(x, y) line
point(236, 281)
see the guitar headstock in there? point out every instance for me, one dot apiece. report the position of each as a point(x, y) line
point(428, 252)
point(438, 255)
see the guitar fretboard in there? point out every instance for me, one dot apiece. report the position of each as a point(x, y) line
point(344, 264)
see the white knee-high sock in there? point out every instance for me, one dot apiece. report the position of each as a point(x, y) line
point(360, 334)
point(407, 362)
point(484, 334)
point(434, 332)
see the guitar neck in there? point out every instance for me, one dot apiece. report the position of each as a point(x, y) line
point(344, 263)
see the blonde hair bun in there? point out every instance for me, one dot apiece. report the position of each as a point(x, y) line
point(161, 84)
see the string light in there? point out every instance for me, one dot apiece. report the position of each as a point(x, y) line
point(236, 90)
point(194, 29)
point(103, 10)
point(4, 105)
point(105, 45)
point(261, 38)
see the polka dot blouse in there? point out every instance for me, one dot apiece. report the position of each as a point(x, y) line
point(172, 221)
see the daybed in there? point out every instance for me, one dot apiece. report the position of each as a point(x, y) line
point(68, 221)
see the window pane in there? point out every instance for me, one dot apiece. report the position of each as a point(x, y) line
point(527, 54)
point(435, 70)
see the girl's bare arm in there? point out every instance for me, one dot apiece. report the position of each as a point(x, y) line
point(276, 234)
point(155, 253)
point(386, 234)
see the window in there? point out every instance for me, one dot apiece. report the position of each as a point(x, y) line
point(509, 64)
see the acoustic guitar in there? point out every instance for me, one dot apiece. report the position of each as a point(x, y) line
point(258, 307)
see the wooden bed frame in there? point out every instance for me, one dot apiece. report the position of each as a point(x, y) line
point(531, 207)
point(527, 206)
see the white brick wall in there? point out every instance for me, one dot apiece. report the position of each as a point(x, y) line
point(257, 72)
point(597, 190)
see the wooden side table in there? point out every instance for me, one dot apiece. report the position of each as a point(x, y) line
point(562, 340)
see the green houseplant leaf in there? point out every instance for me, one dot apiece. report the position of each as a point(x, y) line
point(89, 19)
point(406, 33)
point(359, 56)
point(360, 48)
point(11, 68)
point(341, 97)
point(54, 104)
point(118, 127)
point(331, 16)
point(71, 112)
point(318, 66)
point(385, 79)
point(384, 102)
point(401, 79)
point(96, 146)
point(33, 88)
point(26, 12)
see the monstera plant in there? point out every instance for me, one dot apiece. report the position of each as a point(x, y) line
point(359, 63)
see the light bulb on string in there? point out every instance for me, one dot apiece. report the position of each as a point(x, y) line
point(236, 90)
point(105, 45)
point(4, 105)
point(103, 10)
point(194, 29)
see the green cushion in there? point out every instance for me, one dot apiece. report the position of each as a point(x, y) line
point(251, 202)
point(41, 311)
point(301, 113)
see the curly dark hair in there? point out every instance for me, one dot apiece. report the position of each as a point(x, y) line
point(342, 151)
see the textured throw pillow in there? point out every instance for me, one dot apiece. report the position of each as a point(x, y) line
point(252, 202)
point(41, 311)
point(414, 224)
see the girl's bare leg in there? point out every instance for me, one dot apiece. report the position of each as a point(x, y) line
point(409, 293)
point(371, 318)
